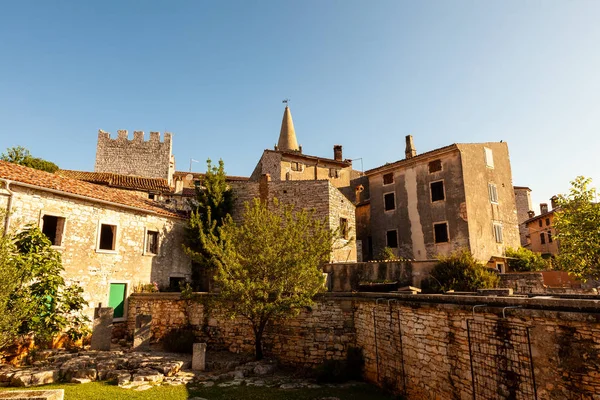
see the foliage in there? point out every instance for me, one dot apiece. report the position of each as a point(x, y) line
point(20, 155)
point(146, 288)
point(577, 224)
point(337, 371)
point(460, 271)
point(268, 265)
point(387, 254)
point(180, 340)
point(522, 260)
point(213, 203)
point(51, 307)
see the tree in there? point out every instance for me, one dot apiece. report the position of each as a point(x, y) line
point(213, 203)
point(268, 266)
point(34, 290)
point(20, 155)
point(523, 259)
point(460, 271)
point(577, 224)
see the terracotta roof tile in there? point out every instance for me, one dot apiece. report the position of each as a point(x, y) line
point(20, 174)
point(118, 180)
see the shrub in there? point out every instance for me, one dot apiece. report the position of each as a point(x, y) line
point(337, 371)
point(460, 271)
point(180, 340)
point(523, 259)
point(386, 254)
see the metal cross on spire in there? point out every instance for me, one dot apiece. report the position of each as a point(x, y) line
point(285, 101)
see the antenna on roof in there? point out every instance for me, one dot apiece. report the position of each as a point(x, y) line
point(191, 161)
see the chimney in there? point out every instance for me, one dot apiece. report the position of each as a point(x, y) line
point(531, 213)
point(263, 187)
point(554, 202)
point(543, 208)
point(337, 152)
point(178, 186)
point(410, 147)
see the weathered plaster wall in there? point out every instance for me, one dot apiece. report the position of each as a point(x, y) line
point(523, 203)
point(95, 269)
point(423, 345)
point(547, 227)
point(151, 158)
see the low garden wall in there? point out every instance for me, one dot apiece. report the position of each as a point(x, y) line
point(447, 345)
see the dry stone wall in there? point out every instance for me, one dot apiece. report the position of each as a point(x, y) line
point(426, 346)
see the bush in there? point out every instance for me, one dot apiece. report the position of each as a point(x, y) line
point(180, 340)
point(522, 260)
point(337, 371)
point(460, 271)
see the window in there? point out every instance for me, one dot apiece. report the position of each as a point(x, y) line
point(540, 223)
point(391, 239)
point(53, 227)
point(435, 166)
point(547, 221)
point(151, 196)
point(489, 157)
point(549, 237)
point(542, 238)
point(344, 228)
point(440, 233)
point(389, 200)
point(296, 166)
point(108, 235)
point(437, 191)
point(175, 283)
point(388, 179)
point(152, 242)
point(498, 233)
point(493, 192)
point(116, 299)
point(334, 173)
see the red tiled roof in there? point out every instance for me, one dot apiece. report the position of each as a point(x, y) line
point(200, 175)
point(46, 180)
point(118, 180)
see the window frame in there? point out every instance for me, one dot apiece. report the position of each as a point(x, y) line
point(387, 242)
point(433, 161)
point(115, 249)
point(299, 166)
point(542, 238)
point(344, 228)
point(334, 173)
point(498, 230)
point(493, 192)
point(488, 155)
point(447, 232)
point(384, 203)
point(41, 224)
point(431, 191)
point(388, 174)
point(147, 231)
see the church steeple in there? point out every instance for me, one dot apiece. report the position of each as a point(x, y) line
point(287, 135)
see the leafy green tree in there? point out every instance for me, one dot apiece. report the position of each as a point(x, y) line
point(213, 203)
point(577, 224)
point(20, 155)
point(460, 271)
point(522, 259)
point(268, 266)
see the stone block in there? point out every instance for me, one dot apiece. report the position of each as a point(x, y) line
point(199, 357)
point(102, 331)
point(142, 333)
point(495, 292)
point(55, 394)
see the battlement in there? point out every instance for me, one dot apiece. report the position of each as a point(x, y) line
point(150, 158)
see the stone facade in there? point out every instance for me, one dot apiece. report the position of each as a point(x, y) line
point(152, 158)
point(542, 235)
point(440, 201)
point(523, 203)
point(321, 196)
point(78, 240)
point(425, 346)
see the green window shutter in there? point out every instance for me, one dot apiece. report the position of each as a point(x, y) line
point(116, 299)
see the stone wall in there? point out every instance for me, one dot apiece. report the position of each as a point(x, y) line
point(523, 282)
point(426, 346)
point(152, 158)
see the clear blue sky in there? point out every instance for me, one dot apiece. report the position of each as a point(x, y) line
point(359, 73)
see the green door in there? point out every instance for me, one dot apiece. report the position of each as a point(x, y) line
point(116, 299)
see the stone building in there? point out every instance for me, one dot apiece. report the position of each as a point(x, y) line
point(110, 240)
point(524, 207)
point(541, 232)
point(458, 196)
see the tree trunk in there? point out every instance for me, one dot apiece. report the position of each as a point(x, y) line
point(258, 345)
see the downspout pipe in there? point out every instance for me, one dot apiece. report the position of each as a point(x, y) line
point(8, 205)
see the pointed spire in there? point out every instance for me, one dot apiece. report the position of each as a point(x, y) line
point(287, 135)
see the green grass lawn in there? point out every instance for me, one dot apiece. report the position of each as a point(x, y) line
point(103, 390)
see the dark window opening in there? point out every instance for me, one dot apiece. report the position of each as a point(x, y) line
point(344, 228)
point(53, 228)
point(392, 239)
point(389, 201)
point(435, 166)
point(440, 233)
point(540, 223)
point(176, 283)
point(388, 179)
point(151, 196)
point(296, 166)
point(437, 191)
point(152, 242)
point(547, 221)
point(542, 238)
point(107, 237)
point(334, 173)
point(549, 237)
